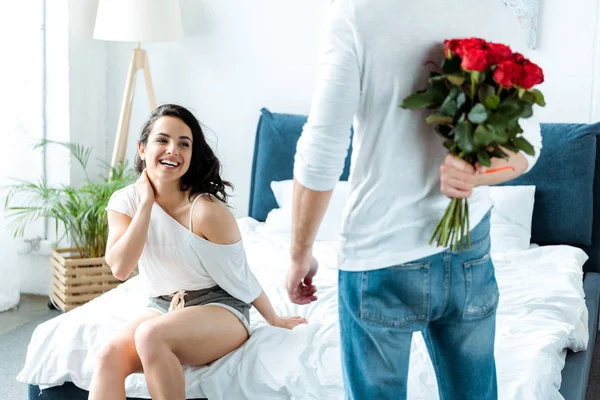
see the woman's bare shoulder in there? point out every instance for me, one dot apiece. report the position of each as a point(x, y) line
point(213, 220)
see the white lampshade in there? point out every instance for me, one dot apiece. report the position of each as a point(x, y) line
point(138, 20)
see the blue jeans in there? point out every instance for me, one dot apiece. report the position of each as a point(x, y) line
point(451, 297)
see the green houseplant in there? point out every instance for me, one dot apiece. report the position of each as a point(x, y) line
point(79, 273)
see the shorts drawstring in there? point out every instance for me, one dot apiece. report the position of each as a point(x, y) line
point(178, 300)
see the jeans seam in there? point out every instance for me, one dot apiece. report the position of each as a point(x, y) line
point(447, 274)
point(470, 312)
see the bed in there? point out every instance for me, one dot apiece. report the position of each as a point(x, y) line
point(547, 302)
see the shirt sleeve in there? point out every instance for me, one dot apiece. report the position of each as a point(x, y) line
point(124, 201)
point(532, 132)
point(323, 145)
point(228, 267)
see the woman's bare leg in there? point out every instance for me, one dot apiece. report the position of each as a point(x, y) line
point(195, 335)
point(116, 361)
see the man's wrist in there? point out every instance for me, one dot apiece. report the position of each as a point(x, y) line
point(299, 253)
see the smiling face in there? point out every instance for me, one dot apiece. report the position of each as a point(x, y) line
point(168, 150)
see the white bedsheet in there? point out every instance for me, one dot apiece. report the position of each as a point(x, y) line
point(541, 312)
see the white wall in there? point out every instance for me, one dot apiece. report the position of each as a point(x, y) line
point(568, 51)
point(75, 112)
point(20, 127)
point(240, 56)
point(87, 87)
point(236, 58)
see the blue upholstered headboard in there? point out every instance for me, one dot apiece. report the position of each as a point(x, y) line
point(274, 149)
point(566, 176)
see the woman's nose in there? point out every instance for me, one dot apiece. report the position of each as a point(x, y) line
point(172, 149)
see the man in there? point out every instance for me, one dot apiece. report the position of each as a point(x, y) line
point(392, 282)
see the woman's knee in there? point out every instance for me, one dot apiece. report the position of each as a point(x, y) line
point(112, 356)
point(149, 340)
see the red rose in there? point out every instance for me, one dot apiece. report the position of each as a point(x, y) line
point(470, 43)
point(508, 74)
point(518, 58)
point(531, 75)
point(475, 59)
point(451, 46)
point(499, 53)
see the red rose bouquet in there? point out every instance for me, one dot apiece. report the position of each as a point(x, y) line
point(477, 97)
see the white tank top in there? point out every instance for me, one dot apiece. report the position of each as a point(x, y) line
point(174, 258)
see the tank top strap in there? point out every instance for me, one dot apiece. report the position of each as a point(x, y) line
point(192, 209)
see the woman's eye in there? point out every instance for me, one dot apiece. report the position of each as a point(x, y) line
point(161, 141)
point(185, 144)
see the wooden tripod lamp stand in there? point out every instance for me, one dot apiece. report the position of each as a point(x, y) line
point(136, 21)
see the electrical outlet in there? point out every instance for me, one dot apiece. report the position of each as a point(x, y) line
point(34, 246)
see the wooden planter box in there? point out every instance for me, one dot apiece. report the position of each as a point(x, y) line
point(75, 281)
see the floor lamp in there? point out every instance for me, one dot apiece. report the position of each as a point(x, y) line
point(136, 21)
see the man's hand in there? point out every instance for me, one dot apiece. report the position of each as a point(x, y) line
point(457, 177)
point(299, 279)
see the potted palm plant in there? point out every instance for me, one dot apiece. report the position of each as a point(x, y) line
point(79, 272)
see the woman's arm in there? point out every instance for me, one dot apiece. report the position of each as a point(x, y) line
point(214, 221)
point(127, 236)
point(265, 308)
point(126, 240)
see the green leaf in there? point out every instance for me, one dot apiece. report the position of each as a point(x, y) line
point(483, 136)
point(492, 102)
point(508, 110)
point(511, 147)
point(449, 107)
point(478, 76)
point(454, 92)
point(528, 97)
point(78, 151)
point(539, 97)
point(527, 110)
point(464, 137)
point(418, 101)
point(436, 76)
point(439, 119)
point(439, 92)
point(522, 144)
point(452, 65)
point(498, 129)
point(461, 99)
point(498, 153)
point(514, 129)
point(456, 80)
point(478, 114)
point(484, 158)
point(485, 91)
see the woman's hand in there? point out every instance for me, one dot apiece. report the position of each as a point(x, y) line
point(145, 188)
point(288, 322)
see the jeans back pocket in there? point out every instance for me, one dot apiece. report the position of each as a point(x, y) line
point(481, 288)
point(396, 296)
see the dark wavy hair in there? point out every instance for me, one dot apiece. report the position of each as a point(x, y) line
point(204, 173)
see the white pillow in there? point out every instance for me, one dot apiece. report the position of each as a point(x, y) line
point(279, 220)
point(510, 228)
point(512, 213)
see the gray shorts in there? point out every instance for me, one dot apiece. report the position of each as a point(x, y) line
point(214, 296)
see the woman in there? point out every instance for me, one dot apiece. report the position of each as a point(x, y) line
point(175, 224)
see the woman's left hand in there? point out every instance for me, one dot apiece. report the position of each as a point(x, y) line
point(288, 322)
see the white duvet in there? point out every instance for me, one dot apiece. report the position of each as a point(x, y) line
point(541, 312)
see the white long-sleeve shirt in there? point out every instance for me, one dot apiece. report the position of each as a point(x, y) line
point(373, 56)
